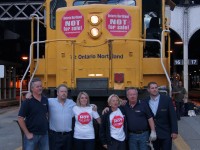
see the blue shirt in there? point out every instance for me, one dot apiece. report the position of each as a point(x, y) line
point(36, 115)
point(60, 116)
point(153, 104)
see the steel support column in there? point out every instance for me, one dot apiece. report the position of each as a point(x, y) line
point(185, 48)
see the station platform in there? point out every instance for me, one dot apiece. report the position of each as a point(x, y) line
point(188, 138)
point(189, 134)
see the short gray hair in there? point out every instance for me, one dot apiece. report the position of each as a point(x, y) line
point(34, 80)
point(131, 88)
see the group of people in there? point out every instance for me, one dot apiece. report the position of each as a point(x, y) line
point(155, 114)
point(48, 123)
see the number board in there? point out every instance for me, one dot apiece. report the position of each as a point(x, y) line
point(193, 62)
point(190, 61)
point(178, 61)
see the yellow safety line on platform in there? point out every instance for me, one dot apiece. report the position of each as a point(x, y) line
point(181, 144)
point(19, 148)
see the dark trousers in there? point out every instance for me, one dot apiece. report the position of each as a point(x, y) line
point(117, 145)
point(163, 144)
point(179, 109)
point(58, 141)
point(84, 144)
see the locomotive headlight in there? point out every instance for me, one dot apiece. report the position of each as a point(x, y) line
point(95, 20)
point(95, 26)
point(95, 32)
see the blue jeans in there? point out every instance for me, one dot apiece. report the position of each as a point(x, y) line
point(138, 141)
point(41, 142)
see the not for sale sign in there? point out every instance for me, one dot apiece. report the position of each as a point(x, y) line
point(72, 23)
point(118, 22)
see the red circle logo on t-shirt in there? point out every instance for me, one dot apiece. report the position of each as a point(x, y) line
point(118, 121)
point(84, 118)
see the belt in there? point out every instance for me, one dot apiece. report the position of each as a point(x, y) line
point(59, 133)
point(138, 132)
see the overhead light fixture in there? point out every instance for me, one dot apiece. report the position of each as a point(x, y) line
point(24, 58)
point(178, 43)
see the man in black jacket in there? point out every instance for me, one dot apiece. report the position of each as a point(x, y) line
point(164, 118)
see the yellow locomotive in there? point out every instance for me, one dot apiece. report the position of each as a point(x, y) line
point(103, 46)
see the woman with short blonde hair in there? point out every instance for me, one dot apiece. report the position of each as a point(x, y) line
point(113, 128)
point(113, 95)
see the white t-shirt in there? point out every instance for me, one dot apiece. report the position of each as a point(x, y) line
point(117, 125)
point(84, 122)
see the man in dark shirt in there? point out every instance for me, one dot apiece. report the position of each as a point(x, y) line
point(179, 94)
point(139, 119)
point(33, 119)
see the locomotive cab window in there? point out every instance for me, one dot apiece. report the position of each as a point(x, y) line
point(113, 2)
point(152, 27)
point(153, 31)
point(127, 2)
point(54, 5)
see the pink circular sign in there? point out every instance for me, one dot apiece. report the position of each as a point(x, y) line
point(118, 22)
point(72, 23)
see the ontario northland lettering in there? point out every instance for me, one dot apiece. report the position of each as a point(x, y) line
point(100, 56)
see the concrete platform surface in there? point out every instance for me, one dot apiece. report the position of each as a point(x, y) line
point(189, 134)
